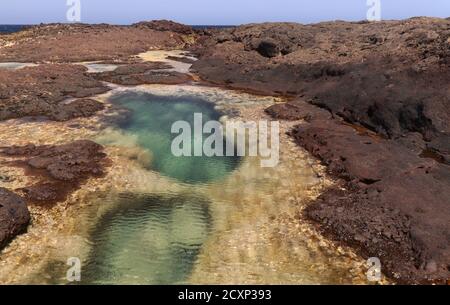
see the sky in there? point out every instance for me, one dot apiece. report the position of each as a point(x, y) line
point(208, 12)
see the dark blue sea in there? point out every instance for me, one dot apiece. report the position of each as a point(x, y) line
point(11, 28)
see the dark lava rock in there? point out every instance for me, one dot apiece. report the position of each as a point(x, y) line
point(60, 169)
point(14, 216)
point(143, 73)
point(297, 110)
point(391, 104)
point(391, 195)
point(44, 90)
point(391, 77)
point(165, 26)
point(384, 128)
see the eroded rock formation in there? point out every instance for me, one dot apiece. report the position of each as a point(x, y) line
point(55, 91)
point(59, 169)
point(374, 98)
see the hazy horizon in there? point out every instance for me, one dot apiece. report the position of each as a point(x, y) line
point(212, 25)
point(204, 12)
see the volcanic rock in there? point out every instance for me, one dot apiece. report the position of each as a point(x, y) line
point(378, 117)
point(165, 26)
point(60, 169)
point(392, 77)
point(389, 194)
point(49, 90)
point(14, 216)
point(63, 43)
point(144, 73)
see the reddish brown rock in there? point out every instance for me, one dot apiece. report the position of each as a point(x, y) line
point(75, 109)
point(59, 169)
point(49, 90)
point(297, 110)
point(391, 77)
point(14, 216)
point(83, 42)
point(394, 206)
point(386, 86)
point(165, 26)
point(144, 73)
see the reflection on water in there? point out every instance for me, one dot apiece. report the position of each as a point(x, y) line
point(150, 121)
point(147, 239)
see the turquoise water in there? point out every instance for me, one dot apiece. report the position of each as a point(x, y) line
point(245, 229)
point(147, 239)
point(151, 118)
point(154, 238)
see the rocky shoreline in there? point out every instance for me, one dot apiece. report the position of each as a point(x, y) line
point(374, 98)
point(381, 125)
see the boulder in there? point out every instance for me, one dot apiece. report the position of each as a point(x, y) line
point(14, 216)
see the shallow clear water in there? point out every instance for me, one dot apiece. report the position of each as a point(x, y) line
point(147, 239)
point(150, 119)
point(139, 226)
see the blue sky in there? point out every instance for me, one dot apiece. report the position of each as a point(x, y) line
point(214, 11)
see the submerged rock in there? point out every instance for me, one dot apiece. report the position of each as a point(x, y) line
point(14, 216)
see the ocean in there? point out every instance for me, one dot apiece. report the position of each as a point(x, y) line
point(11, 28)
